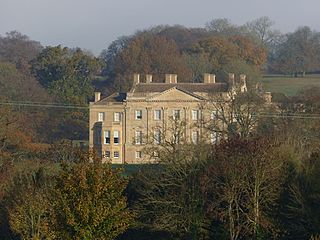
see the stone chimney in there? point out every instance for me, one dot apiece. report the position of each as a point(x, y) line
point(171, 78)
point(243, 83)
point(231, 80)
point(97, 96)
point(148, 78)
point(136, 79)
point(209, 78)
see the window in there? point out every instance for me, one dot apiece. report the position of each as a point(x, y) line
point(116, 154)
point(155, 154)
point(107, 154)
point(195, 137)
point(176, 137)
point(106, 137)
point(195, 114)
point(100, 117)
point(138, 114)
point(138, 137)
point(157, 137)
point(116, 138)
point(157, 114)
point(176, 114)
point(116, 117)
point(138, 154)
point(213, 137)
point(213, 115)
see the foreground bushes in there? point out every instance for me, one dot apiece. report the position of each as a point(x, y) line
point(83, 200)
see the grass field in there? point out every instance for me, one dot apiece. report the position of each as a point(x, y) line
point(289, 85)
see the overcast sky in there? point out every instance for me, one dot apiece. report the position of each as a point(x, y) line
point(94, 24)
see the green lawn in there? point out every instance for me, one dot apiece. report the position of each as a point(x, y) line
point(289, 85)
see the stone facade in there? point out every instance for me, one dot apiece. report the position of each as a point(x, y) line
point(122, 123)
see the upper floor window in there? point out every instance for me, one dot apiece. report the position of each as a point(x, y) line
point(138, 114)
point(138, 137)
point(107, 137)
point(116, 138)
point(157, 114)
point(195, 114)
point(214, 115)
point(100, 116)
point(176, 137)
point(116, 117)
point(176, 114)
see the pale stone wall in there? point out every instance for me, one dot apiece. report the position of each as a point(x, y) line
point(148, 101)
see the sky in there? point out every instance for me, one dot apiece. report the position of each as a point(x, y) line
point(94, 24)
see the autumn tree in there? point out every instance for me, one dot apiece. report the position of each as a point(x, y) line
point(221, 55)
point(149, 54)
point(89, 201)
point(28, 205)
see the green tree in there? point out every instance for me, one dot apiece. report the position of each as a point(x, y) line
point(66, 73)
point(89, 201)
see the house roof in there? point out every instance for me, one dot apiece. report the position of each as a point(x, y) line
point(115, 97)
point(146, 89)
point(188, 87)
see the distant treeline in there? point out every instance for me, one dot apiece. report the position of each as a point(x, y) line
point(32, 72)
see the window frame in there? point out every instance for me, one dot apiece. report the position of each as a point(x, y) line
point(138, 136)
point(157, 137)
point(118, 154)
point(155, 116)
point(116, 116)
point(116, 137)
point(138, 116)
point(101, 116)
point(107, 135)
point(195, 115)
point(107, 155)
point(176, 116)
point(195, 137)
point(138, 154)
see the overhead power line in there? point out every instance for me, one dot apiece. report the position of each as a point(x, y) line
point(68, 106)
point(45, 105)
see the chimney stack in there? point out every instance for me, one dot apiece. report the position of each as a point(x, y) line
point(148, 78)
point(171, 78)
point(97, 96)
point(209, 78)
point(136, 78)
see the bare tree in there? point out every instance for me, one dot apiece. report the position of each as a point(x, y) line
point(233, 113)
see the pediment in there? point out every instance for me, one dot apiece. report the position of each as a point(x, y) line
point(175, 94)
